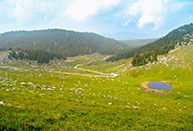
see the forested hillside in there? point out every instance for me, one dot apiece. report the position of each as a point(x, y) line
point(61, 42)
point(148, 53)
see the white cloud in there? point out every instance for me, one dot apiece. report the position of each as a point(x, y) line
point(81, 9)
point(177, 6)
point(150, 11)
point(24, 10)
point(21, 9)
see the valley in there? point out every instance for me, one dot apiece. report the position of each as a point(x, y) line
point(89, 93)
point(96, 65)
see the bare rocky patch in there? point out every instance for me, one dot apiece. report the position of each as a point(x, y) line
point(69, 61)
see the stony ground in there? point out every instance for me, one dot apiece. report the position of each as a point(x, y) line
point(87, 93)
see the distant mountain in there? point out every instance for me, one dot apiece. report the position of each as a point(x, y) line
point(126, 35)
point(61, 42)
point(138, 42)
point(149, 52)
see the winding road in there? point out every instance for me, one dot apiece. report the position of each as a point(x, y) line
point(77, 67)
point(101, 74)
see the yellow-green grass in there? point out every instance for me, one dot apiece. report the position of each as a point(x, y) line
point(97, 103)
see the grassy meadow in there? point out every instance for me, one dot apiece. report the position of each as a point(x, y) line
point(58, 96)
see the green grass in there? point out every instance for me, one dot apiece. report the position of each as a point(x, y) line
point(94, 103)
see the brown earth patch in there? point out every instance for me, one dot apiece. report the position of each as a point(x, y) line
point(174, 50)
point(107, 57)
point(69, 60)
point(147, 89)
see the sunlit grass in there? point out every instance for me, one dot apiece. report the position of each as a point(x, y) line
point(37, 98)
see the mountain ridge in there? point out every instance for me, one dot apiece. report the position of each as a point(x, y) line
point(149, 52)
point(64, 42)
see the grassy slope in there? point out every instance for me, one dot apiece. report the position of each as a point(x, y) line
point(89, 103)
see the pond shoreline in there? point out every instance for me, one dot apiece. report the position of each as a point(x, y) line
point(145, 88)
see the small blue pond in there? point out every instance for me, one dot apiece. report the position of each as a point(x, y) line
point(160, 86)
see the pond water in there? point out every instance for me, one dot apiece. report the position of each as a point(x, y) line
point(160, 86)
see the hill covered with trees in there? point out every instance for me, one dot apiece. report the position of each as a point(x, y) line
point(61, 42)
point(148, 53)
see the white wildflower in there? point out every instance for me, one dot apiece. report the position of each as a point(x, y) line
point(50, 89)
point(135, 107)
point(30, 83)
point(22, 83)
point(1, 102)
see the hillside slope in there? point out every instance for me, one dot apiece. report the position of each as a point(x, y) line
point(61, 42)
point(159, 47)
point(171, 38)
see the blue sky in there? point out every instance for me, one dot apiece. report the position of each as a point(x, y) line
point(119, 19)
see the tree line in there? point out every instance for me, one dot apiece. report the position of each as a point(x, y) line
point(3, 49)
point(62, 42)
point(148, 53)
point(151, 56)
point(37, 55)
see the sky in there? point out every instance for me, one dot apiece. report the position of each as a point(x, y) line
point(118, 19)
